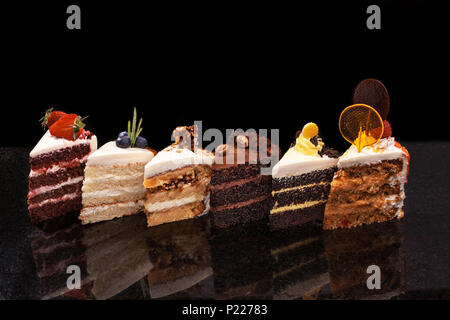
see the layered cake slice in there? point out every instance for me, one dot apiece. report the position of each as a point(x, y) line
point(113, 183)
point(177, 181)
point(301, 180)
point(57, 165)
point(369, 184)
point(114, 175)
point(240, 193)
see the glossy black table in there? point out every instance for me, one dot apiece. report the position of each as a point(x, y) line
point(123, 259)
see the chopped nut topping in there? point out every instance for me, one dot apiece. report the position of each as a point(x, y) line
point(242, 141)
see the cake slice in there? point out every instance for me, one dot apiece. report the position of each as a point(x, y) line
point(368, 186)
point(240, 193)
point(114, 175)
point(301, 180)
point(177, 181)
point(57, 165)
point(113, 183)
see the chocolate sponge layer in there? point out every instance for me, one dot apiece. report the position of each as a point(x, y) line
point(254, 188)
point(227, 174)
point(325, 175)
point(241, 215)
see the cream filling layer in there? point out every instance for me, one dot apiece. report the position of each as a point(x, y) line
point(105, 207)
point(298, 206)
point(299, 188)
point(158, 206)
point(112, 177)
point(56, 167)
point(64, 197)
point(113, 192)
point(44, 189)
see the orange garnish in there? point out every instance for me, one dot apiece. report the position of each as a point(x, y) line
point(398, 145)
point(361, 125)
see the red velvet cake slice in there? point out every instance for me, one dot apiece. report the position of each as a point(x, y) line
point(56, 172)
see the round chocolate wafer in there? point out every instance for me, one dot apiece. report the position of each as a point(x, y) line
point(373, 93)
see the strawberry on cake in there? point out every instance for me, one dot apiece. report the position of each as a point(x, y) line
point(57, 164)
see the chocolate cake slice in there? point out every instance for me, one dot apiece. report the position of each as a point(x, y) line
point(301, 181)
point(240, 193)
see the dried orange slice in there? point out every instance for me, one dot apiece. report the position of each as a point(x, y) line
point(310, 130)
point(361, 125)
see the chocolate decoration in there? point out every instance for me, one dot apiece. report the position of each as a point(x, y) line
point(329, 152)
point(373, 93)
point(315, 140)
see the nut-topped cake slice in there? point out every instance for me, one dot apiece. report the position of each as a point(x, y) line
point(177, 180)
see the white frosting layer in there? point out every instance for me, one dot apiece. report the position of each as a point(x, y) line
point(49, 143)
point(174, 158)
point(157, 206)
point(295, 163)
point(384, 149)
point(110, 154)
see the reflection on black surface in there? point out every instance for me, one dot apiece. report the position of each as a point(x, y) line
point(181, 258)
point(55, 245)
point(117, 255)
point(124, 259)
point(350, 252)
point(300, 267)
point(241, 262)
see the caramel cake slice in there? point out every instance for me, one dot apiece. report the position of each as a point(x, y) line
point(301, 181)
point(113, 180)
point(177, 181)
point(368, 186)
point(56, 175)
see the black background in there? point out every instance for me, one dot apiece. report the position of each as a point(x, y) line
point(258, 65)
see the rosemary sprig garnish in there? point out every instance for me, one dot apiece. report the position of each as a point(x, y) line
point(133, 131)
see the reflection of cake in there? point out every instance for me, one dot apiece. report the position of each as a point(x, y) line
point(116, 255)
point(300, 268)
point(350, 252)
point(369, 186)
point(181, 257)
point(113, 184)
point(242, 262)
point(56, 244)
point(177, 181)
point(301, 180)
point(239, 192)
point(57, 163)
